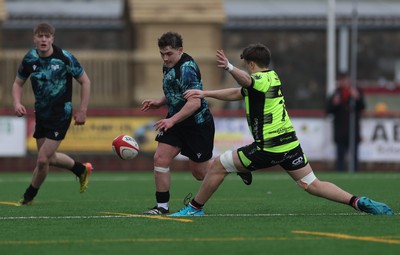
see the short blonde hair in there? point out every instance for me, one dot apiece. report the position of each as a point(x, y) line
point(44, 28)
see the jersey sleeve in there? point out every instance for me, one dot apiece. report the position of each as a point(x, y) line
point(190, 77)
point(74, 67)
point(24, 69)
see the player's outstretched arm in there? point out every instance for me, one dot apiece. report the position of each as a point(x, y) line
point(230, 94)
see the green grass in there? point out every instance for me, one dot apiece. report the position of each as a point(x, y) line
point(272, 216)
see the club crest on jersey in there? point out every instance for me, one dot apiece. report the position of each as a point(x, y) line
point(54, 67)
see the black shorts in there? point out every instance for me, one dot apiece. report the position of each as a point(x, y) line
point(253, 158)
point(196, 142)
point(51, 130)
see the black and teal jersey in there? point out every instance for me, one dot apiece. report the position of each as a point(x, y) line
point(176, 80)
point(266, 113)
point(51, 79)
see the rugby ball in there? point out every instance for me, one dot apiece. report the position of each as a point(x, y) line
point(125, 147)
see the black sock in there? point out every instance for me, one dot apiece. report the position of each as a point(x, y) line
point(162, 197)
point(196, 205)
point(30, 193)
point(78, 168)
point(351, 202)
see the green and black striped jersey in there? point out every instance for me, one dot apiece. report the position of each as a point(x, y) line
point(266, 113)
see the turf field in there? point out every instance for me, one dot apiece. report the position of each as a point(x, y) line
point(272, 216)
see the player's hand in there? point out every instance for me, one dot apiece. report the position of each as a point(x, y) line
point(222, 60)
point(149, 104)
point(80, 118)
point(195, 93)
point(164, 124)
point(20, 110)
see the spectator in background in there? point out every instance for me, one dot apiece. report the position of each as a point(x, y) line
point(339, 106)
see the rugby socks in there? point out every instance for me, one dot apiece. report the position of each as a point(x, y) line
point(196, 205)
point(78, 169)
point(162, 199)
point(30, 193)
point(353, 202)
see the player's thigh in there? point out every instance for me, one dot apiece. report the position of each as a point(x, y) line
point(228, 162)
point(237, 162)
point(39, 143)
point(300, 173)
point(165, 153)
point(48, 148)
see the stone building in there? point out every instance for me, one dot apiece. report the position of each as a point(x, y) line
point(294, 31)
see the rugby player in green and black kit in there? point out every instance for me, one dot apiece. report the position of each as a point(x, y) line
point(275, 141)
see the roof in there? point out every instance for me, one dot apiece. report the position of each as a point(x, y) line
point(258, 14)
point(266, 14)
point(309, 8)
point(102, 13)
point(176, 10)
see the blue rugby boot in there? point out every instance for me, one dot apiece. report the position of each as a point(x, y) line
point(188, 210)
point(367, 205)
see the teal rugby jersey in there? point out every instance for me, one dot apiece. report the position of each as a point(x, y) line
point(266, 113)
point(51, 79)
point(176, 80)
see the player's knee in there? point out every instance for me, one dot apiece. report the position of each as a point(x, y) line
point(199, 174)
point(42, 162)
point(162, 159)
point(307, 180)
point(226, 163)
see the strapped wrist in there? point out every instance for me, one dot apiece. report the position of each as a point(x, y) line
point(229, 67)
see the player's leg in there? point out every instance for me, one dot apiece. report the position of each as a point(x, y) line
point(213, 179)
point(165, 153)
point(199, 169)
point(198, 146)
point(46, 149)
point(81, 170)
point(220, 167)
point(306, 179)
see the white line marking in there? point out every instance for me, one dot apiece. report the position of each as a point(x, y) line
point(259, 176)
point(207, 215)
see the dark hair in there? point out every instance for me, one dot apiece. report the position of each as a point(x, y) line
point(44, 28)
point(258, 53)
point(172, 39)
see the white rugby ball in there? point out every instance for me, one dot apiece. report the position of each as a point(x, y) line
point(125, 147)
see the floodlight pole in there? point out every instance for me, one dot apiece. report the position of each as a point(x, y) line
point(352, 122)
point(331, 47)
